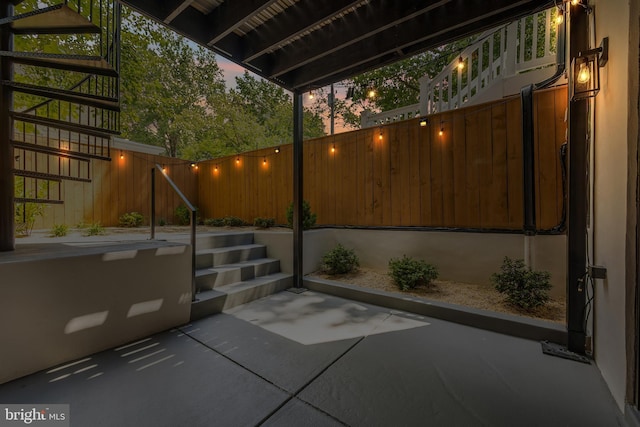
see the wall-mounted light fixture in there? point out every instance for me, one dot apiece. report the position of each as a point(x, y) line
point(424, 122)
point(585, 69)
point(277, 150)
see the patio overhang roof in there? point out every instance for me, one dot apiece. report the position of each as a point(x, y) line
point(306, 44)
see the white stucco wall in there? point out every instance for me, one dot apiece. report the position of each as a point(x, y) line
point(610, 192)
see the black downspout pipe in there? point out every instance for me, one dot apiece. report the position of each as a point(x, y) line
point(7, 232)
point(298, 271)
point(528, 159)
point(578, 192)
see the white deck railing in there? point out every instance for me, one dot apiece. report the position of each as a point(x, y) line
point(524, 46)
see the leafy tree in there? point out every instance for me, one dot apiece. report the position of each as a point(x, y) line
point(396, 85)
point(167, 86)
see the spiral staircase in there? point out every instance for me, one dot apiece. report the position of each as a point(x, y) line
point(65, 105)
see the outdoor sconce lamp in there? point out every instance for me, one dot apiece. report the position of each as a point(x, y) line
point(277, 150)
point(424, 122)
point(585, 70)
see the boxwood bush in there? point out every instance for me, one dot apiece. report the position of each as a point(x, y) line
point(339, 260)
point(522, 286)
point(409, 273)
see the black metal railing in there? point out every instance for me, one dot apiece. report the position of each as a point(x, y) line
point(193, 220)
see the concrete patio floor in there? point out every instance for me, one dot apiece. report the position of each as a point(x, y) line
point(318, 360)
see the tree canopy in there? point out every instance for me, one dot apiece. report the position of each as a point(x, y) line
point(174, 96)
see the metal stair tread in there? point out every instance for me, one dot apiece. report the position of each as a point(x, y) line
point(81, 63)
point(66, 95)
point(71, 126)
point(57, 19)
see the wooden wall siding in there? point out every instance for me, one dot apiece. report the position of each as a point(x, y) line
point(470, 177)
point(119, 186)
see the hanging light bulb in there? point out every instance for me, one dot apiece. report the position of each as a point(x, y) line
point(238, 160)
point(380, 136)
point(575, 2)
point(333, 148)
point(372, 93)
point(583, 74)
point(216, 168)
point(311, 96)
point(460, 63)
point(164, 169)
point(264, 160)
point(441, 128)
point(121, 155)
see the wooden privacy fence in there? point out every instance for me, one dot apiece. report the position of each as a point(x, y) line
point(119, 186)
point(462, 170)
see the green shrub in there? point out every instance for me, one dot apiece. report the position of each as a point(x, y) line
point(214, 222)
point(95, 229)
point(131, 219)
point(162, 222)
point(183, 215)
point(264, 222)
point(233, 221)
point(408, 273)
point(339, 260)
point(59, 230)
point(522, 286)
point(308, 217)
point(26, 215)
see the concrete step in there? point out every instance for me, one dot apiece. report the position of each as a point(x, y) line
point(225, 297)
point(208, 258)
point(218, 240)
point(243, 292)
point(213, 277)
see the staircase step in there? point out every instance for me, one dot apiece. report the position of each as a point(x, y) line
point(229, 255)
point(208, 303)
point(211, 278)
point(226, 297)
point(58, 152)
point(57, 19)
point(219, 240)
point(80, 63)
point(66, 95)
point(64, 125)
point(251, 290)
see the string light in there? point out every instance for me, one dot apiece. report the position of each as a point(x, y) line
point(311, 96)
point(264, 160)
point(238, 160)
point(216, 168)
point(575, 2)
point(441, 128)
point(380, 136)
point(164, 168)
point(460, 63)
point(121, 155)
point(277, 150)
point(372, 93)
point(333, 148)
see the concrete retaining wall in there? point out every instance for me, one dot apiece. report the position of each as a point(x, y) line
point(63, 304)
point(464, 257)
